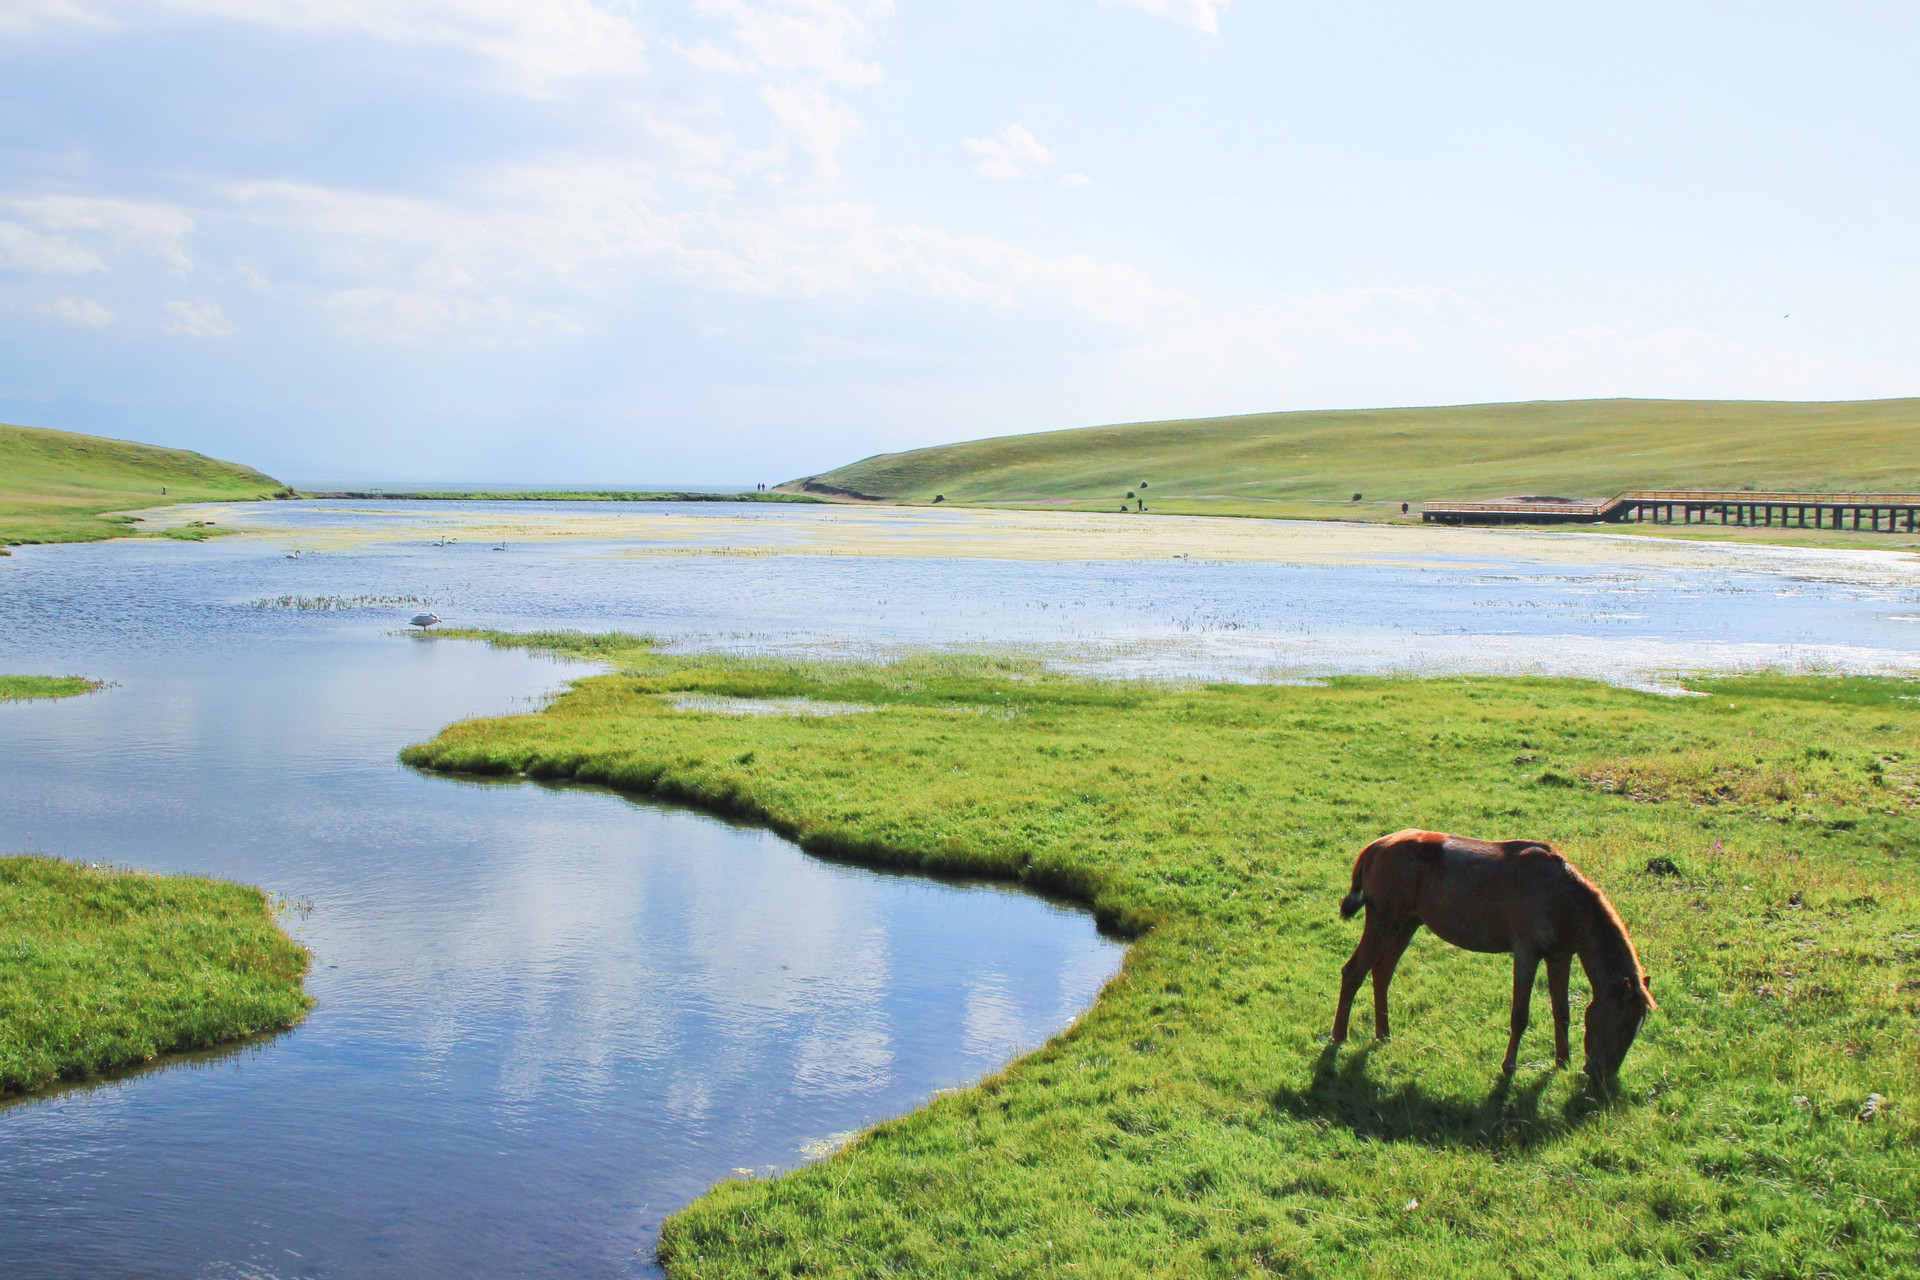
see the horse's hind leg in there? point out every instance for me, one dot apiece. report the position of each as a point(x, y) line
point(1557, 992)
point(1391, 949)
point(1526, 963)
point(1355, 969)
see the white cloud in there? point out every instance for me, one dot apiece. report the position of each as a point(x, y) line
point(202, 319)
point(18, 15)
point(814, 125)
point(80, 311)
point(404, 267)
point(158, 228)
point(1012, 153)
point(816, 38)
point(1075, 180)
point(1201, 15)
point(24, 249)
point(535, 41)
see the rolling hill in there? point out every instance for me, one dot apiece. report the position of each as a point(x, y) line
point(1299, 463)
point(56, 485)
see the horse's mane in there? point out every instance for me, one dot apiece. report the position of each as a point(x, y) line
point(1612, 944)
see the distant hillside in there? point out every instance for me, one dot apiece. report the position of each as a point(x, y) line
point(1276, 462)
point(55, 484)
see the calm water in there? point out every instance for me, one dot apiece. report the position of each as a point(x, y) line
point(550, 1016)
point(1623, 620)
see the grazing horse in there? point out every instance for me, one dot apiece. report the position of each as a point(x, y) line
point(1518, 896)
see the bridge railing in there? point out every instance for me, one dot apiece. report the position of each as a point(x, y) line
point(1678, 497)
point(1716, 496)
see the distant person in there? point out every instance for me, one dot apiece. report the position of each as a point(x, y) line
point(1403, 508)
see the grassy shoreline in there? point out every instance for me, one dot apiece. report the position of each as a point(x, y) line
point(1194, 1121)
point(102, 968)
point(27, 688)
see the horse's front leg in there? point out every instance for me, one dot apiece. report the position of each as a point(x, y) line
point(1526, 963)
point(1557, 971)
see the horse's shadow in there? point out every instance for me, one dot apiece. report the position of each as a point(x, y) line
point(1509, 1117)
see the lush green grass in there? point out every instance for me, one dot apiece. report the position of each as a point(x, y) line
point(102, 968)
point(20, 688)
point(1195, 1121)
point(55, 485)
point(1311, 464)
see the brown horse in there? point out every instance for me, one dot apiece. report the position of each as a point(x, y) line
point(1517, 896)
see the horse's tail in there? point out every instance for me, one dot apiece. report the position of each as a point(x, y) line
point(1351, 904)
point(1426, 844)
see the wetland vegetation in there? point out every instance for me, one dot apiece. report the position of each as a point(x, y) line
point(22, 688)
point(1757, 839)
point(102, 968)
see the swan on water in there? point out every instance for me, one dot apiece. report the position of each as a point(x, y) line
point(424, 620)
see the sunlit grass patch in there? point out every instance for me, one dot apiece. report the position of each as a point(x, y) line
point(103, 968)
point(1195, 1120)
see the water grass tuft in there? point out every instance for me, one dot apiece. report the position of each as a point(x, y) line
point(22, 688)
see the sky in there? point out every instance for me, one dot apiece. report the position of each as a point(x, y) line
point(737, 241)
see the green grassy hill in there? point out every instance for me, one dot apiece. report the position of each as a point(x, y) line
point(55, 485)
point(1270, 463)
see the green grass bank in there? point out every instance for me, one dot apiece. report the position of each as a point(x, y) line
point(1311, 463)
point(103, 968)
point(22, 688)
point(1195, 1121)
point(56, 486)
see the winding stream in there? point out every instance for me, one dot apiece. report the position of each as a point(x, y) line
point(548, 1016)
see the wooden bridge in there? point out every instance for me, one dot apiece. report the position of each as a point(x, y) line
point(1879, 512)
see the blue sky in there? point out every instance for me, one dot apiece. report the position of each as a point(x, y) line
point(743, 240)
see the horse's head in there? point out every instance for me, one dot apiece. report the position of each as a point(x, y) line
point(1613, 1020)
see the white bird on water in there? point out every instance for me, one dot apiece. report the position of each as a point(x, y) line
point(424, 620)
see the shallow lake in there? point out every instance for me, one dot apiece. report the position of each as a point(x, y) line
point(550, 1016)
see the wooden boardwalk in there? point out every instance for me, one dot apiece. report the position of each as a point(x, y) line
point(1878, 512)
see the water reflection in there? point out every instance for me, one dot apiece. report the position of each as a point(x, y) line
point(547, 1015)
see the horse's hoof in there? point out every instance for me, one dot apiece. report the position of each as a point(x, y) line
point(1506, 1068)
